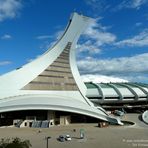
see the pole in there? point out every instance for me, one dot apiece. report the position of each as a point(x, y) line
point(47, 140)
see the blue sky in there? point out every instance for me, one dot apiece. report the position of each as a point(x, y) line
point(115, 44)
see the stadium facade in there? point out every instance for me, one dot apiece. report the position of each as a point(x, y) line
point(118, 95)
point(49, 90)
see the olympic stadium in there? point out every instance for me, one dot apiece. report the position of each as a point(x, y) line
point(118, 95)
point(49, 90)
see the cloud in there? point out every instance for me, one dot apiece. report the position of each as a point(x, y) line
point(131, 4)
point(97, 5)
point(137, 78)
point(3, 63)
point(123, 67)
point(48, 44)
point(99, 33)
point(139, 40)
point(94, 37)
point(9, 9)
point(101, 79)
point(138, 24)
point(89, 47)
point(43, 37)
point(97, 78)
point(6, 37)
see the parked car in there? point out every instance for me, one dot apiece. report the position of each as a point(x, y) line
point(61, 138)
point(67, 138)
point(118, 113)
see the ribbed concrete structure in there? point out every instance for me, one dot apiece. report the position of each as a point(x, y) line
point(52, 81)
point(117, 93)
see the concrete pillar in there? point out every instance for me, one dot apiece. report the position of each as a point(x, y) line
point(51, 117)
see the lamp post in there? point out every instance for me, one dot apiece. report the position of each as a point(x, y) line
point(47, 138)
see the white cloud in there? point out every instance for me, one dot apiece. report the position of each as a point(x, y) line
point(138, 40)
point(97, 5)
point(56, 36)
point(138, 24)
point(138, 3)
point(99, 33)
point(137, 78)
point(94, 37)
point(6, 37)
point(2, 63)
point(116, 67)
point(88, 46)
point(131, 4)
point(101, 79)
point(46, 44)
point(133, 69)
point(43, 37)
point(9, 9)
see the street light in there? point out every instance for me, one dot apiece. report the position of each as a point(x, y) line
point(47, 138)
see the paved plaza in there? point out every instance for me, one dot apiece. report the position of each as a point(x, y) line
point(95, 137)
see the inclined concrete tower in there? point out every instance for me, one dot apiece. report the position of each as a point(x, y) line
point(52, 81)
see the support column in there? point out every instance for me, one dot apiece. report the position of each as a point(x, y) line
point(51, 117)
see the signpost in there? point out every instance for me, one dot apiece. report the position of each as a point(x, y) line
point(82, 135)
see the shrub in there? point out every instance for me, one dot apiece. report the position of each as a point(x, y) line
point(14, 143)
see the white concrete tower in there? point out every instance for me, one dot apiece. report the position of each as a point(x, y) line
point(52, 81)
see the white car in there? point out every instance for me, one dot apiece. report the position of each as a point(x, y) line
point(67, 138)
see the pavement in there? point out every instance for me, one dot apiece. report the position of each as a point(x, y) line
point(95, 137)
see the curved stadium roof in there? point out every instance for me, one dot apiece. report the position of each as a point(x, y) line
point(101, 93)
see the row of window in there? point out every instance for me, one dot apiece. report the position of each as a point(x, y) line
point(61, 62)
point(58, 71)
point(50, 83)
point(59, 66)
point(107, 98)
point(53, 76)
